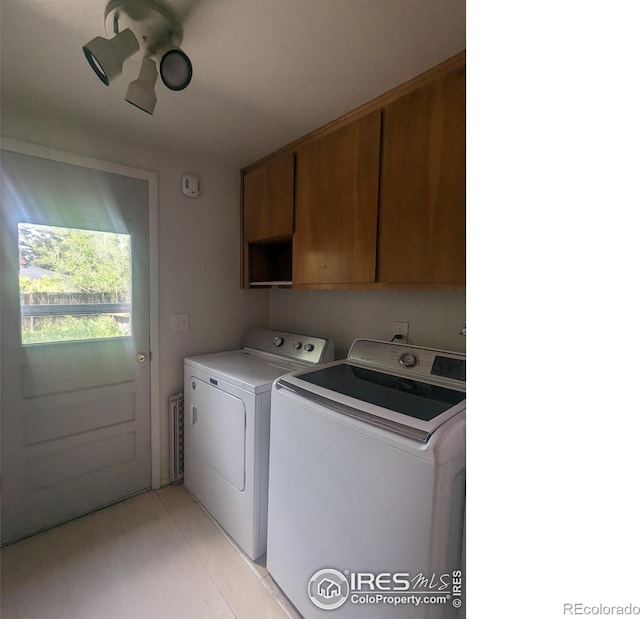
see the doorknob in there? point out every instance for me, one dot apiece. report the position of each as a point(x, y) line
point(141, 357)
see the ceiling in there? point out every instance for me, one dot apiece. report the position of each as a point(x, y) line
point(265, 71)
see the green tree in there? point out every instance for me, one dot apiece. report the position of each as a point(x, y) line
point(88, 260)
point(44, 284)
point(34, 242)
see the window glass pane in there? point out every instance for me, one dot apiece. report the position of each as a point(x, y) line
point(74, 284)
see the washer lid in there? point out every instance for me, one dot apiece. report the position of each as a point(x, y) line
point(391, 401)
point(416, 399)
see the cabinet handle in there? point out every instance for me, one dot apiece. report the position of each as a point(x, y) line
point(194, 415)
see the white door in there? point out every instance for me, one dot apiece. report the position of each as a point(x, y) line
point(216, 423)
point(75, 352)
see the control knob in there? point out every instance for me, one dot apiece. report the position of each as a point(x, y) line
point(278, 341)
point(297, 345)
point(309, 347)
point(408, 360)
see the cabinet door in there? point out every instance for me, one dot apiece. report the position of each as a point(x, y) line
point(422, 185)
point(268, 200)
point(336, 205)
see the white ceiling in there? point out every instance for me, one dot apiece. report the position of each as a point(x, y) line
point(265, 71)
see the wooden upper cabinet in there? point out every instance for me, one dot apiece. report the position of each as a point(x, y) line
point(268, 199)
point(379, 195)
point(336, 205)
point(421, 234)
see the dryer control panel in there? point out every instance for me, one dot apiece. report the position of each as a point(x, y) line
point(305, 349)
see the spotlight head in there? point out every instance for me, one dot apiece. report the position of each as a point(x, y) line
point(140, 92)
point(106, 56)
point(175, 67)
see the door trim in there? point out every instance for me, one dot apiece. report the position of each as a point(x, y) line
point(26, 148)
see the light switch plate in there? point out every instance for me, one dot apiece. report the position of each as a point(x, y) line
point(179, 322)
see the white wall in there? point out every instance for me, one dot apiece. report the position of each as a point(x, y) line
point(435, 318)
point(199, 244)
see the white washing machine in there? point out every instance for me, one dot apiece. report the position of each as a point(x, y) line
point(367, 484)
point(227, 422)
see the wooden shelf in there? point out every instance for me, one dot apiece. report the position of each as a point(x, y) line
point(275, 284)
point(269, 263)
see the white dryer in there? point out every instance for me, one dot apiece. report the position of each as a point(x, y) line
point(227, 422)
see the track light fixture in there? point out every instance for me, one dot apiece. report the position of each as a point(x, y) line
point(147, 25)
point(106, 57)
point(175, 67)
point(140, 92)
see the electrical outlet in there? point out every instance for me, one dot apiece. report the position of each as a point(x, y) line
point(400, 329)
point(179, 322)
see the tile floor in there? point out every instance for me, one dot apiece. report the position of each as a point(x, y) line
point(157, 555)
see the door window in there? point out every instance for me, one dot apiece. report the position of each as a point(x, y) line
point(74, 284)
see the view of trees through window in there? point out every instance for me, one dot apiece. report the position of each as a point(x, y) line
point(74, 284)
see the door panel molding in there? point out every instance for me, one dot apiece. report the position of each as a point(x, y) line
point(47, 423)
